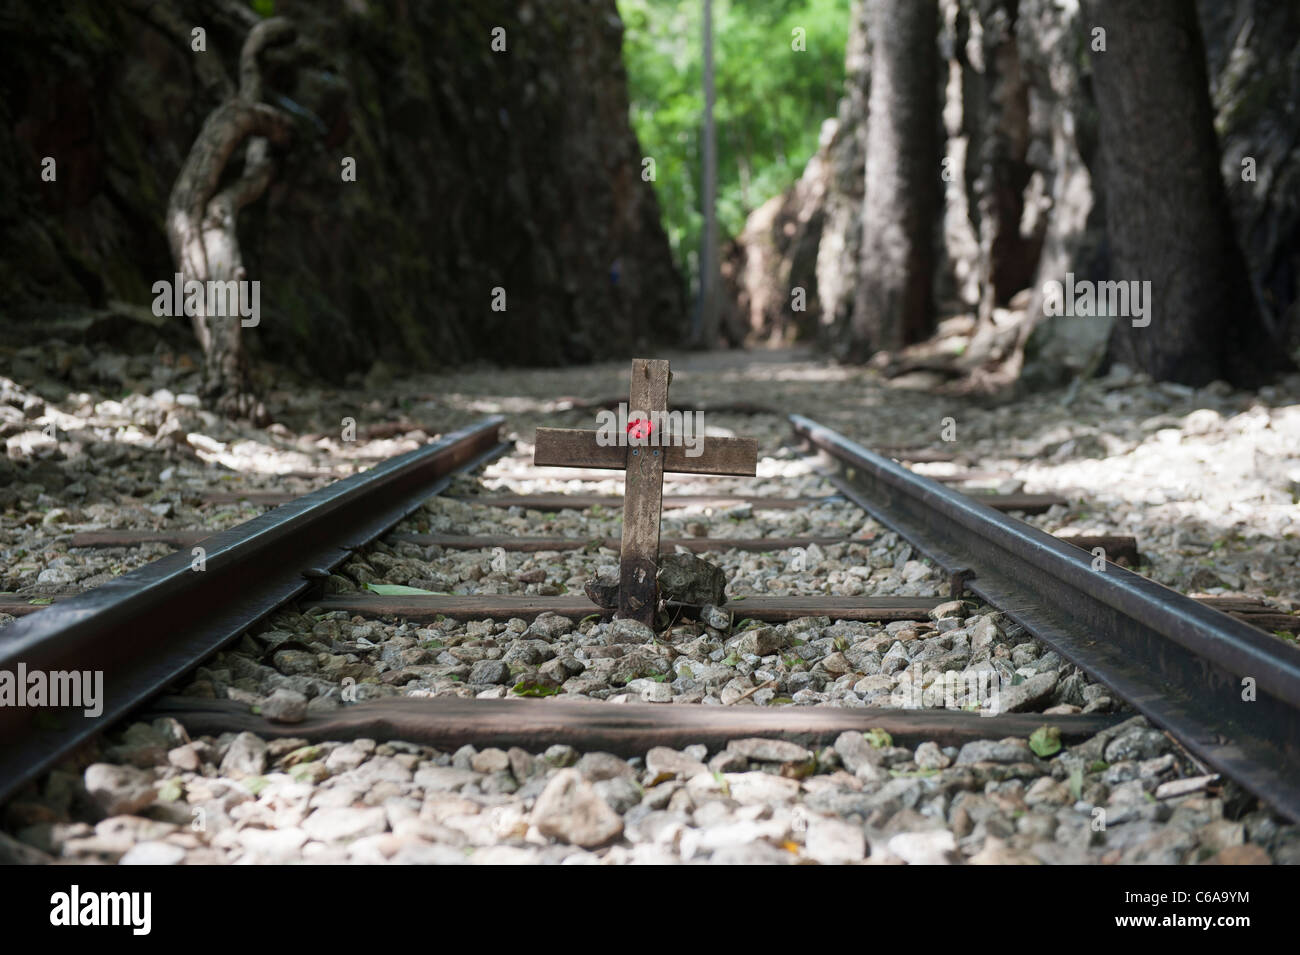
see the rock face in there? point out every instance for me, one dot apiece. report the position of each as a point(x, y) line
point(475, 170)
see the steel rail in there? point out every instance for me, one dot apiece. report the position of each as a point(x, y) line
point(145, 629)
point(1228, 692)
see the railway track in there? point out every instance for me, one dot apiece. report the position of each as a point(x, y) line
point(1182, 663)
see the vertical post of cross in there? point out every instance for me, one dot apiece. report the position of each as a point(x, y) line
point(638, 594)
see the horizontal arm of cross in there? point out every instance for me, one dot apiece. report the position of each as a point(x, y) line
point(572, 448)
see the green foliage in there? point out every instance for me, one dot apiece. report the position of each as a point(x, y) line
point(171, 790)
point(879, 738)
point(770, 103)
point(721, 780)
point(534, 689)
point(1076, 783)
point(1045, 741)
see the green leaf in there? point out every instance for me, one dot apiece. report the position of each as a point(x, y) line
point(40, 601)
point(879, 738)
point(1045, 741)
point(303, 772)
point(171, 789)
point(534, 689)
point(721, 780)
point(398, 590)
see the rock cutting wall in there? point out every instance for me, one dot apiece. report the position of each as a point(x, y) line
point(475, 170)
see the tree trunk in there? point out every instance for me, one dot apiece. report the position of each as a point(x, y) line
point(893, 303)
point(201, 222)
point(996, 122)
point(1167, 216)
point(839, 251)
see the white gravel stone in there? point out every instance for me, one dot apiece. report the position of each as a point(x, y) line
point(570, 810)
point(834, 841)
point(153, 853)
point(345, 822)
point(118, 789)
point(924, 848)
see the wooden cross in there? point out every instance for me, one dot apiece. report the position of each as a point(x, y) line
point(645, 456)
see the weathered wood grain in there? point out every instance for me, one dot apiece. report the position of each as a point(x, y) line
point(638, 590)
point(1026, 503)
point(1119, 548)
point(526, 606)
point(564, 502)
point(667, 545)
point(722, 456)
point(628, 729)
